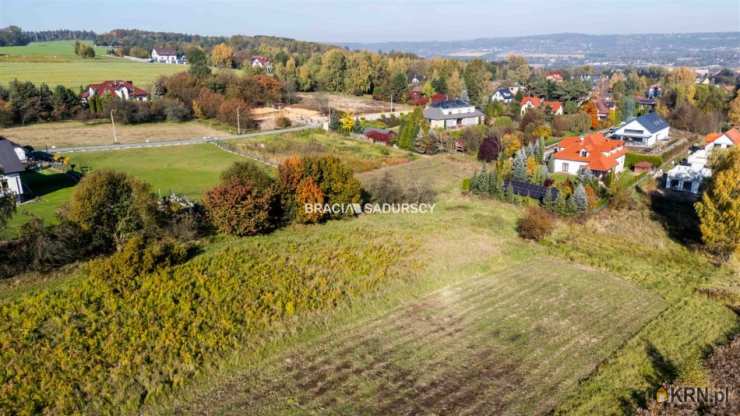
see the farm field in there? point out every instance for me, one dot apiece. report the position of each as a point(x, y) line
point(360, 155)
point(56, 64)
point(77, 133)
point(188, 170)
point(511, 342)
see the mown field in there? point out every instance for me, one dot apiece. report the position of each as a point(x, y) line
point(56, 64)
point(360, 155)
point(76, 133)
point(188, 170)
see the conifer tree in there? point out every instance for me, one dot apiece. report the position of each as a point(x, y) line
point(520, 166)
point(580, 199)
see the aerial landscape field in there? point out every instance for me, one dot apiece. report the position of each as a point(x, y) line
point(194, 221)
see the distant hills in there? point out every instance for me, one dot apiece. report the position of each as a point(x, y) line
point(566, 49)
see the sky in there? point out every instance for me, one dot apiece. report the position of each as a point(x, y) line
point(377, 20)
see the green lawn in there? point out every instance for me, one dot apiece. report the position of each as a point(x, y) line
point(56, 64)
point(188, 170)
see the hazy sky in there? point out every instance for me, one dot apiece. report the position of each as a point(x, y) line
point(378, 20)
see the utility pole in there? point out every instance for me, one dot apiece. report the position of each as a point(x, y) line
point(238, 124)
point(113, 122)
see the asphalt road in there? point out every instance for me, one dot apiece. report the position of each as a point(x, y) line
point(176, 142)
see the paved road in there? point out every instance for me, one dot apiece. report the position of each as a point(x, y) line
point(176, 142)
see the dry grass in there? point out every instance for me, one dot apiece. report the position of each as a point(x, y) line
point(348, 103)
point(75, 133)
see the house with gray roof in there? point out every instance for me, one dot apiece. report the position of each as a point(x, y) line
point(643, 131)
point(452, 114)
point(11, 167)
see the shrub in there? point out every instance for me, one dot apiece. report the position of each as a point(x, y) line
point(536, 224)
point(283, 122)
point(111, 206)
point(308, 193)
point(242, 208)
point(246, 172)
point(387, 191)
point(489, 149)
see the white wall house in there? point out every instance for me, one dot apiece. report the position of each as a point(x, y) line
point(691, 174)
point(124, 90)
point(452, 114)
point(165, 56)
point(262, 62)
point(11, 167)
point(594, 153)
point(502, 95)
point(644, 131)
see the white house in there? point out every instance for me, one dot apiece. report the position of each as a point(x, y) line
point(11, 166)
point(535, 102)
point(503, 95)
point(165, 56)
point(452, 114)
point(722, 140)
point(643, 131)
point(124, 90)
point(689, 176)
point(262, 62)
point(594, 153)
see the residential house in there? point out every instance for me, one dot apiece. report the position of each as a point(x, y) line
point(124, 90)
point(604, 107)
point(689, 175)
point(535, 102)
point(452, 114)
point(594, 153)
point(503, 95)
point(722, 140)
point(11, 166)
point(262, 62)
point(165, 56)
point(643, 131)
point(554, 77)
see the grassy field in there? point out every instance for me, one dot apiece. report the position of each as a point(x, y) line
point(188, 170)
point(56, 64)
point(360, 155)
point(76, 133)
point(473, 321)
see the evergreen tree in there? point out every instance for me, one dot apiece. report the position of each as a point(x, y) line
point(334, 120)
point(550, 199)
point(520, 166)
point(561, 204)
point(580, 199)
point(540, 153)
point(509, 193)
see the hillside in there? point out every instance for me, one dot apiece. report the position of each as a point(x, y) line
point(692, 49)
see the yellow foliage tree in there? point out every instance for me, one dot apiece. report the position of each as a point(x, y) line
point(222, 55)
point(719, 208)
point(347, 121)
point(734, 113)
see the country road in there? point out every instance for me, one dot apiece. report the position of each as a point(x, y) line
point(180, 142)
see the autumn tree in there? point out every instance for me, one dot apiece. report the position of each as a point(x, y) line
point(308, 193)
point(477, 79)
point(719, 208)
point(734, 112)
point(111, 206)
point(222, 55)
point(518, 68)
point(454, 85)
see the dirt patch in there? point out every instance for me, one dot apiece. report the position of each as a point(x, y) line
point(321, 102)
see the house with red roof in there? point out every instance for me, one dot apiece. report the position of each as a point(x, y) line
point(124, 90)
point(262, 62)
point(554, 77)
point(594, 153)
point(724, 140)
point(535, 102)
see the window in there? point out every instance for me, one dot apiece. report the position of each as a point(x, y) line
point(563, 167)
point(687, 185)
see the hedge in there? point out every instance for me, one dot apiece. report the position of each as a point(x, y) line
point(108, 345)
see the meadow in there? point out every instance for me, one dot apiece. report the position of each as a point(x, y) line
point(358, 154)
point(445, 313)
point(55, 63)
point(100, 132)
